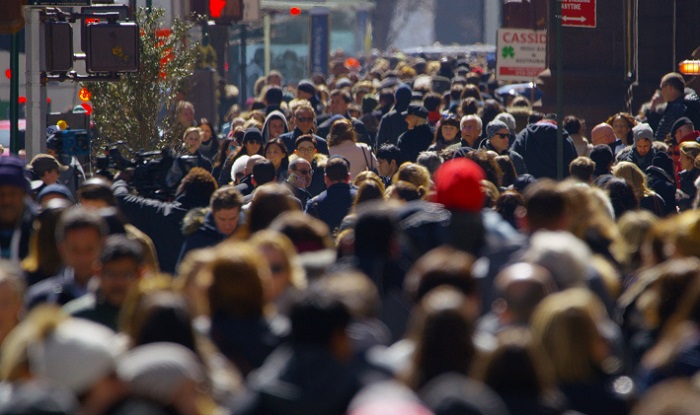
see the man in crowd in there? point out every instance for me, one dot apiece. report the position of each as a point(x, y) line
point(334, 203)
point(388, 159)
point(299, 178)
point(17, 212)
point(220, 221)
point(470, 127)
point(80, 235)
point(304, 120)
point(119, 268)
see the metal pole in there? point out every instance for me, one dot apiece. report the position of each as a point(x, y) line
point(14, 93)
point(266, 35)
point(244, 66)
point(560, 94)
point(35, 134)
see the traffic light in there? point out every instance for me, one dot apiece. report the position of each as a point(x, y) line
point(58, 40)
point(226, 10)
point(11, 16)
point(112, 47)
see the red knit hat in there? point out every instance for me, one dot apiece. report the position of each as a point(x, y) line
point(458, 185)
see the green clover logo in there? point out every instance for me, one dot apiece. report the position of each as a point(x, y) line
point(508, 51)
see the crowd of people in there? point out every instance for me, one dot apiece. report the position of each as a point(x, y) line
point(391, 241)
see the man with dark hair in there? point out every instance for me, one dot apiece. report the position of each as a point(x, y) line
point(119, 268)
point(263, 172)
point(334, 203)
point(162, 221)
point(46, 169)
point(96, 193)
point(602, 156)
point(339, 102)
point(219, 221)
point(80, 236)
point(388, 159)
point(273, 99)
point(582, 169)
point(545, 207)
point(315, 364)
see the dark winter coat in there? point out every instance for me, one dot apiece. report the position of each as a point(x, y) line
point(538, 145)
point(332, 205)
point(204, 234)
point(412, 142)
point(393, 124)
point(161, 221)
point(662, 183)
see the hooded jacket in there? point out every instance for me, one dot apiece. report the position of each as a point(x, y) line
point(538, 145)
point(199, 228)
point(266, 126)
point(393, 124)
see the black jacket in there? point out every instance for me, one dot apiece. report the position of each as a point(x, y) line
point(538, 145)
point(161, 221)
point(663, 184)
point(412, 142)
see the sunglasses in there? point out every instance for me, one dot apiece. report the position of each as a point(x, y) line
point(305, 119)
point(502, 135)
point(304, 171)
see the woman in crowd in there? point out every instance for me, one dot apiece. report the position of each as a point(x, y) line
point(447, 133)
point(277, 153)
point(210, 144)
point(622, 123)
point(342, 141)
point(568, 326)
point(648, 199)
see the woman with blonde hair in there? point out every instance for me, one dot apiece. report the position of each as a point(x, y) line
point(415, 174)
point(342, 141)
point(633, 175)
point(569, 326)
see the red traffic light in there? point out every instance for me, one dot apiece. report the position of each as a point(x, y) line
point(8, 73)
point(295, 11)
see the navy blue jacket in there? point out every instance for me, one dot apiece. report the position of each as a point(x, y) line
point(207, 235)
point(537, 143)
point(332, 205)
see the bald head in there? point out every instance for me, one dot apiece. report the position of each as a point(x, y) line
point(520, 287)
point(602, 134)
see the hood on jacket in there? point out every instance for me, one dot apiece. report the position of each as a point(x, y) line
point(194, 219)
point(266, 126)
